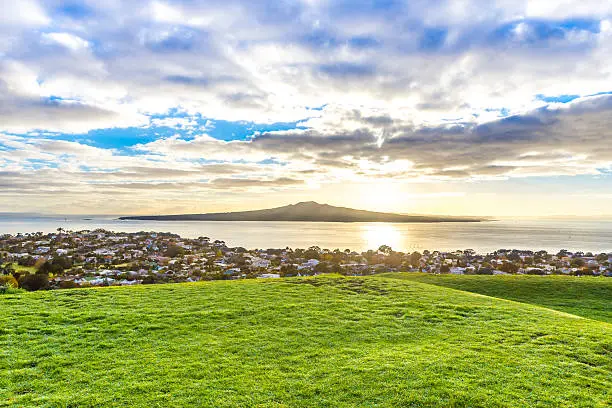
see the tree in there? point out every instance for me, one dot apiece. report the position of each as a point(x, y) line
point(394, 260)
point(149, 280)
point(68, 285)
point(173, 251)
point(288, 270)
point(585, 272)
point(415, 259)
point(7, 269)
point(63, 262)
point(55, 266)
point(39, 263)
point(8, 281)
point(577, 263)
point(34, 282)
point(327, 257)
point(26, 261)
point(336, 268)
point(509, 267)
point(322, 267)
point(312, 252)
point(385, 249)
point(513, 256)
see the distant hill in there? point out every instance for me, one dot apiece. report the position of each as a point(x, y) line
point(305, 211)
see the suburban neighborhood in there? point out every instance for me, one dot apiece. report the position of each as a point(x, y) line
point(68, 259)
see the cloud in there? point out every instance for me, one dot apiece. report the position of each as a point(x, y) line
point(25, 106)
point(185, 123)
point(73, 42)
point(256, 183)
point(237, 60)
point(25, 115)
point(568, 8)
point(414, 91)
point(22, 13)
point(21, 115)
point(567, 140)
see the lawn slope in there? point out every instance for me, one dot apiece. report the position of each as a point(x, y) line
point(314, 342)
point(583, 296)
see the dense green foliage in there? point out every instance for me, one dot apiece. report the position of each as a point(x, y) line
point(8, 281)
point(55, 266)
point(305, 342)
point(33, 282)
point(583, 296)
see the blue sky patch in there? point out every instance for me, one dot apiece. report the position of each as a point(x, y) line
point(501, 113)
point(433, 39)
point(124, 138)
point(541, 32)
point(74, 10)
point(37, 164)
point(224, 130)
point(557, 99)
point(363, 42)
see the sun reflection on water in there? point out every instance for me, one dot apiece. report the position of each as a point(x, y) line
point(375, 235)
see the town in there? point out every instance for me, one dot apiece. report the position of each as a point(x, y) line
point(67, 259)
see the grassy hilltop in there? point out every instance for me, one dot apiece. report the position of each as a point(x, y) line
point(303, 342)
point(584, 296)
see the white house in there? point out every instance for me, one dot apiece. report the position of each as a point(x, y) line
point(311, 263)
point(260, 263)
point(269, 275)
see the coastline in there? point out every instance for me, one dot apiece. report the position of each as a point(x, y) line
point(67, 259)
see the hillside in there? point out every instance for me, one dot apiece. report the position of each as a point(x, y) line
point(589, 297)
point(305, 211)
point(303, 342)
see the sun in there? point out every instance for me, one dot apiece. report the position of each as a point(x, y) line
point(383, 196)
point(377, 234)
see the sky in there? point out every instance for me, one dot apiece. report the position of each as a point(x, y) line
point(464, 107)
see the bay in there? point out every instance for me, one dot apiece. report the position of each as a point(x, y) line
point(541, 234)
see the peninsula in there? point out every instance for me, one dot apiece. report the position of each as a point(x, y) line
point(305, 211)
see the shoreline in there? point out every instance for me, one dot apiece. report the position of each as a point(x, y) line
point(68, 259)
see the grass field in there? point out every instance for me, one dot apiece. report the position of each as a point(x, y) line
point(23, 269)
point(302, 342)
point(583, 296)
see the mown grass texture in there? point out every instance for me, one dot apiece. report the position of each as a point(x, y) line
point(583, 296)
point(302, 342)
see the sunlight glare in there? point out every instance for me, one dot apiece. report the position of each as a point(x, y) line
point(383, 196)
point(375, 235)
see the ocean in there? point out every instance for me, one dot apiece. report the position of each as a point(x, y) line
point(543, 234)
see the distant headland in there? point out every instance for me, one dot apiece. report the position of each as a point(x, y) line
point(309, 211)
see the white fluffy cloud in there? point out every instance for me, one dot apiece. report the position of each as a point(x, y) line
point(568, 8)
point(268, 61)
point(22, 13)
point(415, 91)
point(73, 42)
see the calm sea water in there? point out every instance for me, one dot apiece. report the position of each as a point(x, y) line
point(549, 235)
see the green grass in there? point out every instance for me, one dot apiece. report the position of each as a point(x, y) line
point(122, 265)
point(303, 342)
point(20, 268)
point(583, 296)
